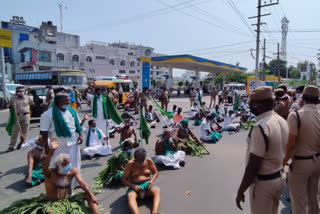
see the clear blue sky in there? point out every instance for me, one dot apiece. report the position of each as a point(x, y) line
point(198, 27)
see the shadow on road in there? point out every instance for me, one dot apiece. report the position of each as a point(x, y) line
point(18, 170)
point(89, 165)
point(285, 199)
point(121, 205)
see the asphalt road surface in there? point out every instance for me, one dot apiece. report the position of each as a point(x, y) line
point(212, 180)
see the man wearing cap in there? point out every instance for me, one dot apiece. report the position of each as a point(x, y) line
point(266, 148)
point(285, 89)
point(281, 107)
point(136, 94)
point(143, 99)
point(304, 150)
point(115, 96)
point(20, 105)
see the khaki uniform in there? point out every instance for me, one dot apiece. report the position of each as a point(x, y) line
point(192, 97)
point(22, 109)
point(136, 100)
point(225, 96)
point(164, 100)
point(115, 97)
point(213, 98)
point(304, 173)
point(143, 100)
point(265, 194)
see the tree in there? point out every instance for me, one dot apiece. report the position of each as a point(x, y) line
point(294, 72)
point(153, 82)
point(273, 67)
point(187, 83)
point(135, 83)
point(180, 83)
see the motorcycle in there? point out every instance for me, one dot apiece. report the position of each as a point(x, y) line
point(129, 103)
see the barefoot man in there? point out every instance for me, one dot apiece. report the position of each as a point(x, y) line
point(126, 132)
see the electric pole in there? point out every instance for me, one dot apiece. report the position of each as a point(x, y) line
point(278, 53)
point(259, 23)
point(264, 61)
point(60, 9)
point(284, 30)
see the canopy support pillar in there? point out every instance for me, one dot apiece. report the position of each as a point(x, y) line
point(223, 79)
point(213, 76)
point(197, 79)
point(170, 79)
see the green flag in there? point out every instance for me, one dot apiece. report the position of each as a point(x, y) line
point(144, 128)
point(199, 98)
point(113, 112)
point(236, 106)
point(168, 114)
point(11, 121)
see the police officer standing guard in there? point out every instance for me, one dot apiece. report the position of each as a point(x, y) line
point(266, 148)
point(21, 104)
point(304, 149)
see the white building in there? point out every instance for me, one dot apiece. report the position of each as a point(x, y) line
point(189, 75)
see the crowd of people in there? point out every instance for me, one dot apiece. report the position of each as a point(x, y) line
point(284, 119)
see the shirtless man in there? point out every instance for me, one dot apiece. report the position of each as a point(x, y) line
point(183, 132)
point(35, 158)
point(58, 180)
point(126, 132)
point(137, 176)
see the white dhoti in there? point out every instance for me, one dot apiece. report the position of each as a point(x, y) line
point(206, 138)
point(170, 159)
point(75, 158)
point(102, 124)
point(102, 150)
point(232, 127)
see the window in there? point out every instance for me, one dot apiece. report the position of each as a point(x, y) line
point(151, 72)
point(130, 54)
point(122, 71)
point(132, 72)
point(158, 73)
point(75, 58)
point(122, 63)
point(111, 61)
point(49, 32)
point(132, 64)
point(100, 57)
point(92, 70)
point(60, 57)
point(157, 67)
point(138, 71)
point(89, 59)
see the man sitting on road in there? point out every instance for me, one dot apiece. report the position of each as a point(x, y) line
point(36, 156)
point(190, 147)
point(167, 151)
point(206, 132)
point(139, 175)
point(126, 132)
point(178, 116)
point(59, 197)
point(228, 124)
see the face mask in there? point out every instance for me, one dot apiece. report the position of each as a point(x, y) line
point(67, 168)
point(20, 93)
point(39, 147)
point(93, 129)
point(182, 128)
point(65, 107)
point(129, 151)
point(298, 96)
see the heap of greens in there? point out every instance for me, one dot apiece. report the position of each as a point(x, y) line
point(248, 125)
point(110, 175)
point(193, 148)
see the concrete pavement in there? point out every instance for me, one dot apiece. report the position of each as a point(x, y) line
point(212, 180)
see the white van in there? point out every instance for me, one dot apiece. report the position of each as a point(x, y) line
point(241, 88)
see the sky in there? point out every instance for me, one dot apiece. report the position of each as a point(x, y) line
point(214, 29)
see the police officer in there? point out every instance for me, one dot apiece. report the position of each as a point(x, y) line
point(21, 104)
point(213, 97)
point(281, 106)
point(304, 149)
point(285, 89)
point(266, 148)
point(143, 98)
point(115, 96)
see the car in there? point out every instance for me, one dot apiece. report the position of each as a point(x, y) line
point(39, 104)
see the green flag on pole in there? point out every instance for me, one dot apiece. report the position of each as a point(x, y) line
point(113, 112)
point(11, 121)
point(168, 114)
point(145, 131)
point(236, 106)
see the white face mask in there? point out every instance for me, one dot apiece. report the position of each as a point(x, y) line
point(298, 96)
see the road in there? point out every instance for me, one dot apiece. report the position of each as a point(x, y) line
point(212, 180)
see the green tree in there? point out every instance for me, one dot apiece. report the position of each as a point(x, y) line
point(135, 83)
point(153, 82)
point(180, 83)
point(294, 72)
point(273, 67)
point(187, 83)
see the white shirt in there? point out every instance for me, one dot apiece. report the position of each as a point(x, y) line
point(204, 127)
point(227, 120)
point(47, 124)
point(167, 121)
point(94, 138)
point(100, 115)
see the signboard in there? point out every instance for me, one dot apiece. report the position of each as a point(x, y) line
point(5, 38)
point(145, 75)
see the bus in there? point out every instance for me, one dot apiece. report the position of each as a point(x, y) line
point(125, 84)
point(237, 86)
point(56, 78)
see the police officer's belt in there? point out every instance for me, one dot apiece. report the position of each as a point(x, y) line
point(270, 176)
point(23, 113)
point(306, 158)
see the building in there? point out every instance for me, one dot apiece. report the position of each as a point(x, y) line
point(45, 48)
point(189, 76)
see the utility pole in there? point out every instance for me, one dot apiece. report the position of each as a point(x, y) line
point(264, 61)
point(278, 53)
point(258, 35)
point(60, 8)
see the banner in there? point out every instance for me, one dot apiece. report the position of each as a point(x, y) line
point(5, 38)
